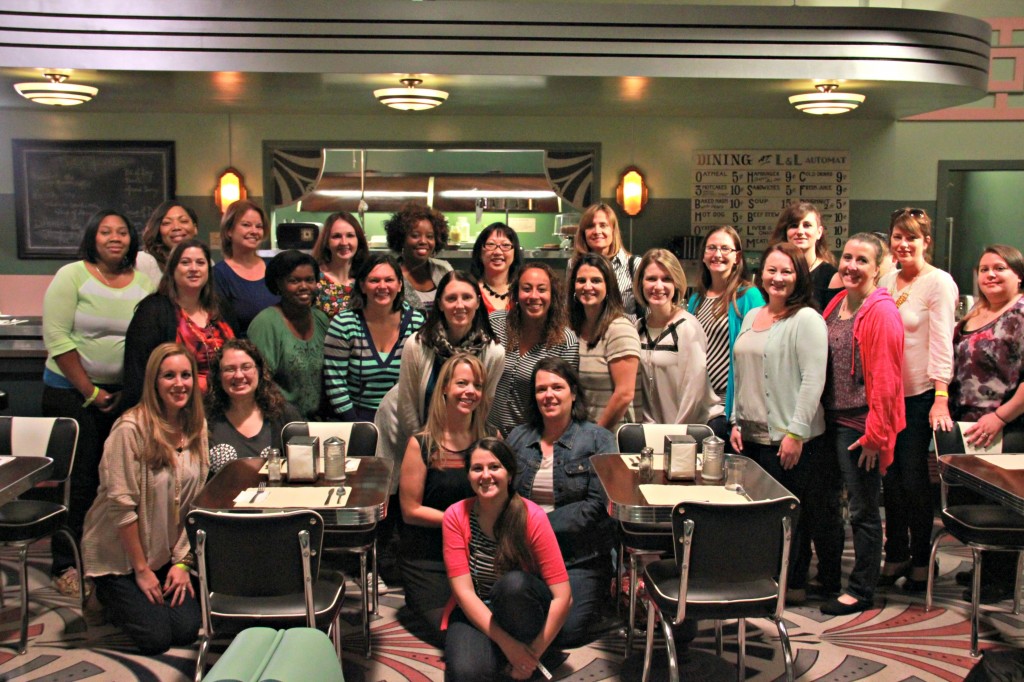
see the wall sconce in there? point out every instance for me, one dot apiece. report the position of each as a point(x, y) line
point(230, 188)
point(631, 192)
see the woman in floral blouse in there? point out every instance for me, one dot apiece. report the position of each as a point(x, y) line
point(339, 249)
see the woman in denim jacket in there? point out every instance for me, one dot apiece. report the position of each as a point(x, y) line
point(554, 449)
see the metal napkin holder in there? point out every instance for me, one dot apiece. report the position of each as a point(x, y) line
point(303, 454)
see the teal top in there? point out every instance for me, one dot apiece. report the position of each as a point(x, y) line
point(748, 300)
point(82, 313)
point(295, 364)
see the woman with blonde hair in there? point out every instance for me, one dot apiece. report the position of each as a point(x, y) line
point(599, 233)
point(433, 477)
point(134, 545)
point(725, 294)
point(674, 349)
point(241, 277)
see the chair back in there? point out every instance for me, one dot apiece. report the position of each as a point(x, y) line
point(635, 437)
point(734, 543)
point(53, 437)
point(360, 437)
point(257, 555)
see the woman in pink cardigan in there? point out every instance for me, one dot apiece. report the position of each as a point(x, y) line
point(864, 403)
point(510, 589)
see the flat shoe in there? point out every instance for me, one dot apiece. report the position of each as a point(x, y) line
point(834, 607)
point(889, 579)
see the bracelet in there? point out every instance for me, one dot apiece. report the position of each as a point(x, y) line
point(182, 566)
point(941, 394)
point(794, 436)
point(996, 413)
point(90, 399)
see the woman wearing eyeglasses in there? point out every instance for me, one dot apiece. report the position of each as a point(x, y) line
point(800, 225)
point(926, 298)
point(496, 260)
point(724, 296)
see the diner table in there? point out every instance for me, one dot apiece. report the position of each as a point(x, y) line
point(18, 474)
point(998, 477)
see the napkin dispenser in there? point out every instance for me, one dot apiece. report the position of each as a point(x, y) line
point(302, 453)
point(680, 458)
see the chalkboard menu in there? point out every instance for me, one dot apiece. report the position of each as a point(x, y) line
point(58, 186)
point(748, 189)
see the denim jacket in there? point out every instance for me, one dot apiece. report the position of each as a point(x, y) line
point(580, 519)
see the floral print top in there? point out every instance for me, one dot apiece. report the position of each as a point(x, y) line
point(332, 297)
point(987, 365)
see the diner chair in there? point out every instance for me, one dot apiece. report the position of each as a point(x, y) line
point(270, 582)
point(360, 441)
point(642, 542)
point(25, 521)
point(730, 561)
point(981, 526)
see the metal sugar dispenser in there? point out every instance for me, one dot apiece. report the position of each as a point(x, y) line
point(334, 459)
point(714, 459)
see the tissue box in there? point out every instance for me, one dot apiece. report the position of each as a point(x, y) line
point(302, 452)
point(680, 458)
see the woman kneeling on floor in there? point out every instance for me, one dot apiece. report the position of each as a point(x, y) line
point(134, 545)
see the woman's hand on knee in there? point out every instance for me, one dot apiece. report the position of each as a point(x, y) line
point(150, 586)
point(176, 584)
point(521, 660)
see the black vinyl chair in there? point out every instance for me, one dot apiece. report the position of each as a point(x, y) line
point(264, 569)
point(983, 526)
point(638, 541)
point(25, 521)
point(360, 441)
point(731, 561)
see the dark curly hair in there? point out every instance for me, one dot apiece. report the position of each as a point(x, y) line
point(554, 326)
point(268, 395)
point(284, 264)
point(399, 225)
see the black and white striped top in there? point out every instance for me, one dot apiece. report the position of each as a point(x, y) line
point(482, 553)
point(717, 330)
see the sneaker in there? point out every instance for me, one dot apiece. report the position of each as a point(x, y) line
point(382, 587)
point(68, 584)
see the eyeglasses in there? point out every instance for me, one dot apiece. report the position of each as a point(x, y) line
point(495, 246)
point(244, 369)
point(724, 250)
point(916, 213)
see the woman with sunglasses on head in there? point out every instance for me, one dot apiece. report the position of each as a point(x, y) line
point(340, 248)
point(496, 260)
point(781, 355)
point(433, 477)
point(609, 344)
point(724, 296)
point(674, 371)
point(534, 328)
point(244, 408)
point(864, 399)
point(599, 233)
point(241, 277)
point(415, 234)
point(800, 225)
point(510, 589)
point(988, 382)
point(926, 298)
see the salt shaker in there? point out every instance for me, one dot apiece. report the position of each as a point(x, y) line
point(274, 465)
point(334, 459)
point(646, 467)
point(714, 458)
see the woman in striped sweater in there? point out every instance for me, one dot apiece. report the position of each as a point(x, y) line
point(363, 349)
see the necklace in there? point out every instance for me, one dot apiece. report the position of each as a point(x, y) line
point(905, 294)
point(103, 277)
point(492, 292)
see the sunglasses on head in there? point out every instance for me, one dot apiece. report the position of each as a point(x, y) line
point(912, 212)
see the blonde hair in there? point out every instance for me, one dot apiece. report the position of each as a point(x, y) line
point(438, 414)
point(161, 444)
point(587, 221)
point(667, 260)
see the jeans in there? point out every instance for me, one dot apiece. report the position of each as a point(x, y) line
point(815, 482)
point(589, 581)
point(93, 428)
point(154, 628)
point(519, 602)
point(908, 493)
point(863, 487)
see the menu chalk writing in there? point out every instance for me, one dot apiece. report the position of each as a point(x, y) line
point(58, 186)
point(749, 188)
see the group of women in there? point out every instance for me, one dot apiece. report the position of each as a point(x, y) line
point(493, 388)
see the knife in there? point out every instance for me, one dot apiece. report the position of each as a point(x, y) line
point(329, 493)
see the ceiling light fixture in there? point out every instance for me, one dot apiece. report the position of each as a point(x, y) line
point(826, 100)
point(55, 91)
point(411, 97)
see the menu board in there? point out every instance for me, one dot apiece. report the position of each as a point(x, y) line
point(748, 188)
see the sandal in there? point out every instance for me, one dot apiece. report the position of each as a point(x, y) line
point(69, 585)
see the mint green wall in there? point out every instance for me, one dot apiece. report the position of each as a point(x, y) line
point(989, 214)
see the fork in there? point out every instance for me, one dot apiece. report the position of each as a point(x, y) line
point(259, 491)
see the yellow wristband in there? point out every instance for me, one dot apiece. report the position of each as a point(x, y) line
point(90, 399)
point(183, 567)
point(941, 394)
point(794, 436)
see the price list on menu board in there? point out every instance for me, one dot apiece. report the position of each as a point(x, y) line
point(749, 188)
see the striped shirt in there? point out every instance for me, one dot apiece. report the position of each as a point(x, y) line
point(717, 330)
point(624, 266)
point(515, 389)
point(619, 341)
point(482, 553)
point(355, 373)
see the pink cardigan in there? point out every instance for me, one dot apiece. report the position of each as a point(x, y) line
point(878, 334)
point(539, 536)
